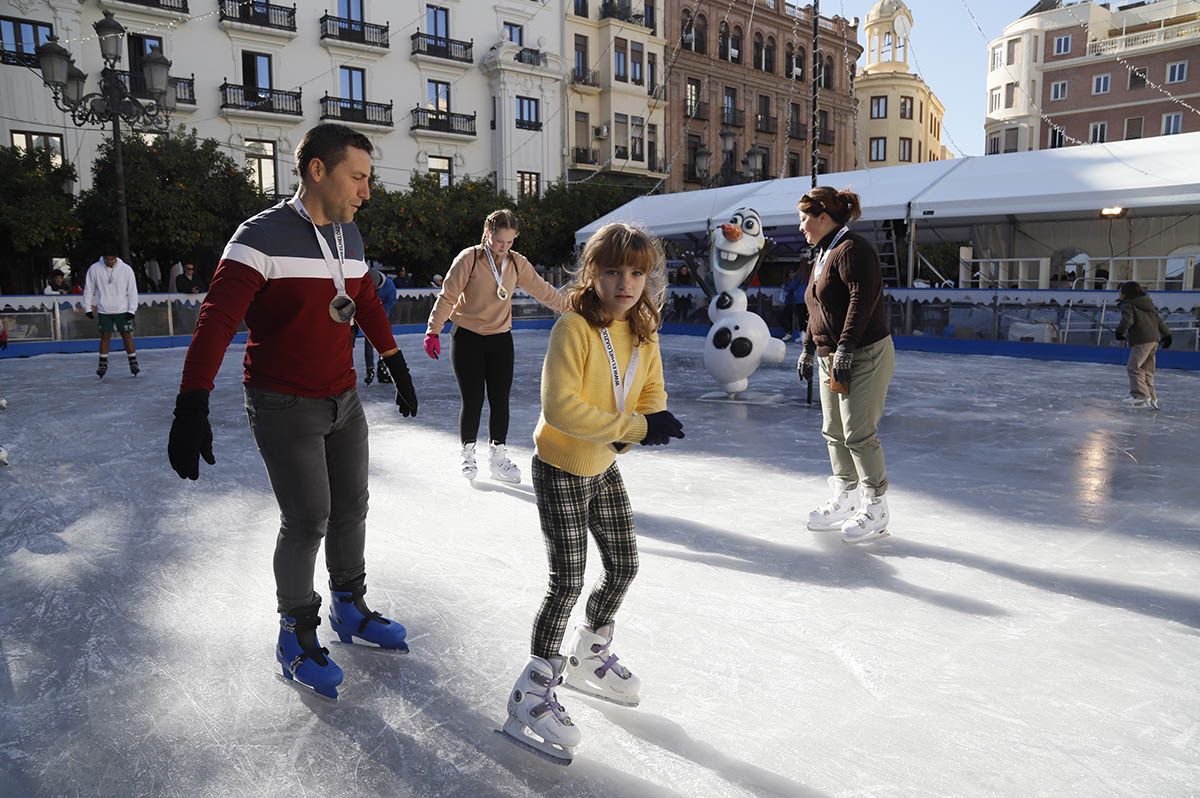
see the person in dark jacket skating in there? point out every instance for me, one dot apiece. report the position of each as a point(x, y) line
point(1145, 330)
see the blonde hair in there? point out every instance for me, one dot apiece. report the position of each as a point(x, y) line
point(620, 244)
point(502, 219)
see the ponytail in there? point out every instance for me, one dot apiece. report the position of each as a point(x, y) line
point(842, 206)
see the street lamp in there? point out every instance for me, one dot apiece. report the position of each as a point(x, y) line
point(115, 100)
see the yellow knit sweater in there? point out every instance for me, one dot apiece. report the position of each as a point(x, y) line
point(579, 421)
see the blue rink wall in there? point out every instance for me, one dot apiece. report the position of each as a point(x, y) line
point(1167, 359)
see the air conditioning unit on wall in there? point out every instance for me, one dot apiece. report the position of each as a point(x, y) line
point(601, 131)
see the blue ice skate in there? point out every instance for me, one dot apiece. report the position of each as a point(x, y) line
point(350, 617)
point(301, 657)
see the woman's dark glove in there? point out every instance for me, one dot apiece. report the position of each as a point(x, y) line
point(660, 428)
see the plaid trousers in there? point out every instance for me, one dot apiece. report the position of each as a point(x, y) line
point(568, 506)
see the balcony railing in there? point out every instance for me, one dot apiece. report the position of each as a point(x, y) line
point(766, 124)
point(354, 30)
point(15, 57)
point(586, 155)
point(696, 111)
point(529, 124)
point(797, 130)
point(345, 110)
point(638, 152)
point(252, 98)
point(441, 47)
point(528, 55)
point(825, 135)
point(585, 77)
point(620, 11)
point(656, 163)
point(733, 117)
point(253, 12)
point(185, 90)
point(168, 5)
point(135, 84)
point(443, 121)
point(658, 92)
point(1150, 38)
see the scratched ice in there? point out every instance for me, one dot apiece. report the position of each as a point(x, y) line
point(1030, 629)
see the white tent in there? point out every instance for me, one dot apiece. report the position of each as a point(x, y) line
point(1159, 174)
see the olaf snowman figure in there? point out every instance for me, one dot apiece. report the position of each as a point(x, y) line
point(739, 341)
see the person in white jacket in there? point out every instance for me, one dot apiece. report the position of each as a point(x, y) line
point(110, 290)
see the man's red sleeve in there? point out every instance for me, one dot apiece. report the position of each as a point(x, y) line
point(233, 288)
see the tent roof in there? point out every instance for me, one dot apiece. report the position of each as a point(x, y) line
point(1161, 173)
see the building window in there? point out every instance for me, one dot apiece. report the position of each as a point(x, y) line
point(637, 138)
point(26, 140)
point(692, 99)
point(758, 51)
point(994, 101)
point(443, 168)
point(620, 60)
point(693, 146)
point(529, 115)
point(1062, 45)
point(822, 166)
point(723, 41)
point(581, 8)
point(260, 157)
point(993, 146)
point(1133, 127)
point(1172, 123)
point(437, 95)
point(735, 45)
point(1010, 139)
point(1100, 84)
point(529, 184)
point(1014, 49)
point(437, 21)
point(651, 72)
point(256, 75)
point(620, 137)
point(997, 57)
point(353, 81)
point(514, 33)
point(1137, 78)
point(1056, 138)
point(906, 107)
point(1010, 95)
point(1177, 72)
point(906, 150)
point(636, 51)
point(793, 165)
point(879, 149)
point(350, 9)
point(918, 151)
point(1058, 90)
point(769, 57)
point(1098, 132)
point(19, 40)
point(879, 107)
point(827, 73)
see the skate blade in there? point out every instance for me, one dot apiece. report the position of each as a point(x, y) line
point(357, 642)
point(300, 686)
point(869, 539)
point(621, 702)
point(557, 756)
point(506, 480)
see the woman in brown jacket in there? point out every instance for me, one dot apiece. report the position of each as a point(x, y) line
point(848, 334)
point(477, 297)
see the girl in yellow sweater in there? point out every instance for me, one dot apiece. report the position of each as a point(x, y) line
point(602, 390)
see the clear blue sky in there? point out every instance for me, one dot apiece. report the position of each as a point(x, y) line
point(952, 55)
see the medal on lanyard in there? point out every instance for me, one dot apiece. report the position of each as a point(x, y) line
point(621, 387)
point(341, 307)
point(501, 291)
point(820, 265)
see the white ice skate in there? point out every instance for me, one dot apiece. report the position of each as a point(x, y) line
point(841, 507)
point(469, 469)
point(870, 522)
point(536, 721)
point(592, 668)
point(503, 469)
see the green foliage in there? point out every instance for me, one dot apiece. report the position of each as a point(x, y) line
point(549, 222)
point(37, 221)
point(185, 198)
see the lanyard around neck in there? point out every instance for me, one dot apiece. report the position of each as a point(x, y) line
point(621, 387)
point(501, 291)
point(338, 273)
point(820, 265)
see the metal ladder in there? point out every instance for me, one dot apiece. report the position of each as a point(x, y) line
point(885, 247)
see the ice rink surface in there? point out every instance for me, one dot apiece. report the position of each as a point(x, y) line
point(1032, 628)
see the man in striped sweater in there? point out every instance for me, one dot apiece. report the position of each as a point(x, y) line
point(296, 274)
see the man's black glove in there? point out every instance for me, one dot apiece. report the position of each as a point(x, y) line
point(128, 317)
point(89, 315)
point(843, 362)
point(406, 396)
point(1119, 336)
point(804, 366)
point(660, 428)
point(191, 435)
point(1166, 342)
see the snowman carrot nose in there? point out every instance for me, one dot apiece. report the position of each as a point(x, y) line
point(731, 231)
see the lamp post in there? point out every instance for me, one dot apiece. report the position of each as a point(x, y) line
point(727, 174)
point(114, 101)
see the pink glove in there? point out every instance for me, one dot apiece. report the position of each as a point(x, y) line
point(433, 347)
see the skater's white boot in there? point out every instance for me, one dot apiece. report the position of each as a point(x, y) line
point(870, 522)
point(535, 718)
point(503, 469)
point(843, 503)
point(469, 470)
point(592, 667)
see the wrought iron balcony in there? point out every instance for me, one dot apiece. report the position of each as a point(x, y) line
point(17, 58)
point(586, 155)
point(825, 135)
point(797, 130)
point(733, 117)
point(622, 11)
point(167, 5)
point(441, 47)
point(253, 12)
point(766, 124)
point(343, 110)
point(252, 98)
point(443, 121)
point(529, 55)
point(585, 77)
point(185, 90)
point(697, 111)
point(529, 124)
point(354, 30)
point(134, 83)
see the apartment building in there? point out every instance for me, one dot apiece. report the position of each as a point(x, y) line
point(615, 100)
point(899, 116)
point(449, 87)
point(739, 86)
point(1070, 73)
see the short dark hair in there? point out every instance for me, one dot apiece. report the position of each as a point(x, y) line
point(328, 142)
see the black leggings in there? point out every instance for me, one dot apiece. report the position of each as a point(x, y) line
point(479, 361)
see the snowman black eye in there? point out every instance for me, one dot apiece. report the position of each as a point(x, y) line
point(737, 219)
point(749, 225)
